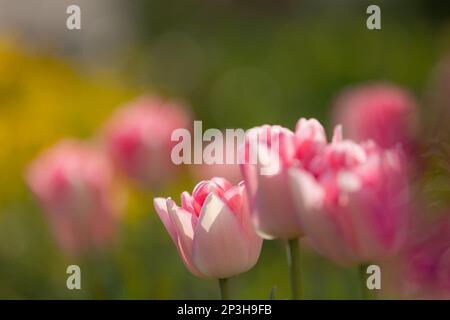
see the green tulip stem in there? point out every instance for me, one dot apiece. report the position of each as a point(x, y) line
point(293, 259)
point(365, 294)
point(224, 289)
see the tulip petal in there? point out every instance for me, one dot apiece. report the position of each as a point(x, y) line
point(160, 205)
point(187, 202)
point(337, 134)
point(320, 226)
point(220, 248)
point(237, 200)
point(184, 224)
point(161, 209)
point(274, 212)
point(247, 224)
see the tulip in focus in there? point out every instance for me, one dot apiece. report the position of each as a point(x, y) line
point(212, 229)
point(75, 185)
point(138, 138)
point(355, 209)
point(273, 210)
point(381, 112)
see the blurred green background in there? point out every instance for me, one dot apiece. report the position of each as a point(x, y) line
point(237, 63)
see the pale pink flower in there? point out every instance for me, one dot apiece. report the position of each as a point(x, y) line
point(276, 149)
point(76, 187)
point(381, 112)
point(354, 208)
point(212, 229)
point(138, 138)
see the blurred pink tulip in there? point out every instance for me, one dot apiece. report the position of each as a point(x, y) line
point(273, 211)
point(75, 186)
point(381, 112)
point(428, 262)
point(212, 229)
point(310, 139)
point(138, 138)
point(355, 208)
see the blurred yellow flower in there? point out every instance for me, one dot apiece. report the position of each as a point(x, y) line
point(42, 99)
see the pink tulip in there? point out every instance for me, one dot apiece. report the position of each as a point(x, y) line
point(138, 138)
point(310, 139)
point(354, 209)
point(212, 229)
point(381, 112)
point(75, 186)
point(428, 262)
point(273, 210)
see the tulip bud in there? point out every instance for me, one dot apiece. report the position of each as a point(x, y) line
point(381, 112)
point(212, 229)
point(75, 185)
point(138, 138)
point(356, 209)
point(277, 149)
